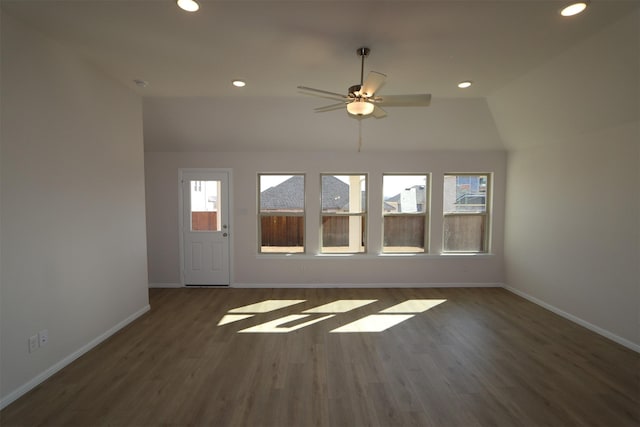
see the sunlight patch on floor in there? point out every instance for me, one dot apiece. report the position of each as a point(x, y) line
point(379, 322)
point(230, 318)
point(267, 306)
point(413, 306)
point(374, 323)
point(275, 325)
point(340, 306)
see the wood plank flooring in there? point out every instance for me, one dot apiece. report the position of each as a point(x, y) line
point(484, 357)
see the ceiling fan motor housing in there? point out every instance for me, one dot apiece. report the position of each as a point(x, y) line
point(354, 91)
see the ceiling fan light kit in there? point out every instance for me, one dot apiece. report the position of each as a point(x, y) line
point(360, 107)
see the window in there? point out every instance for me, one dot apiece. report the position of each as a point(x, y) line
point(281, 213)
point(466, 212)
point(204, 205)
point(343, 213)
point(404, 209)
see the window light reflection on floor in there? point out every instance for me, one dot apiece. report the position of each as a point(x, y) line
point(267, 306)
point(413, 306)
point(382, 322)
point(379, 322)
point(340, 306)
point(374, 323)
point(230, 318)
point(275, 326)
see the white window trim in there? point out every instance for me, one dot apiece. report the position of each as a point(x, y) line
point(486, 243)
point(260, 215)
point(426, 214)
point(364, 213)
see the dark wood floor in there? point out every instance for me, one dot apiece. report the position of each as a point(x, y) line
point(484, 357)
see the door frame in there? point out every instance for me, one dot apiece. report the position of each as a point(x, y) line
point(181, 173)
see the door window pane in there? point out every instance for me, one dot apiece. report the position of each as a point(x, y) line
point(204, 205)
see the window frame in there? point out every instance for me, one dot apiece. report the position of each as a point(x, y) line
point(303, 214)
point(486, 215)
point(363, 214)
point(426, 214)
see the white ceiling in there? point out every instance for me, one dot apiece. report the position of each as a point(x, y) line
point(426, 46)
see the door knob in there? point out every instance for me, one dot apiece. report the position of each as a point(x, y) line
point(224, 234)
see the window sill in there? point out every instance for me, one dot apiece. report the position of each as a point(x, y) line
point(307, 256)
point(467, 254)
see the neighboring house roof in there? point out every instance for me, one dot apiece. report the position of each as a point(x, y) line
point(288, 194)
point(420, 196)
point(335, 194)
point(389, 207)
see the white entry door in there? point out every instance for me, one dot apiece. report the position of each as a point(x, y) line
point(205, 226)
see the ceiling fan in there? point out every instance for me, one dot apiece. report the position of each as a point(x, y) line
point(362, 99)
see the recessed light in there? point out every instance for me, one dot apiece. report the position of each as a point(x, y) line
point(465, 84)
point(239, 83)
point(574, 9)
point(188, 5)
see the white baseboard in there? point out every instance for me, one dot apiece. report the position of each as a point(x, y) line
point(40, 378)
point(366, 285)
point(607, 334)
point(165, 285)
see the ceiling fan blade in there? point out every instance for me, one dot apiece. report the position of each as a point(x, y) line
point(378, 112)
point(330, 107)
point(323, 92)
point(373, 82)
point(422, 100)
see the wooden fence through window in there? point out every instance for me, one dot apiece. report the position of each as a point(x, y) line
point(462, 232)
point(335, 231)
point(282, 230)
point(289, 230)
point(404, 230)
point(204, 221)
point(465, 232)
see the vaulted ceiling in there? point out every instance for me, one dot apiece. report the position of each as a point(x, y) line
point(190, 59)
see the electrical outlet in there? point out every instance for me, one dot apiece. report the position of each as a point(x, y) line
point(43, 337)
point(33, 343)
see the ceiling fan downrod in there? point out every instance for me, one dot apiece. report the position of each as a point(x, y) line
point(362, 53)
point(354, 91)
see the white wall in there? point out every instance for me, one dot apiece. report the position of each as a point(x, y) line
point(73, 244)
point(253, 269)
point(572, 238)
